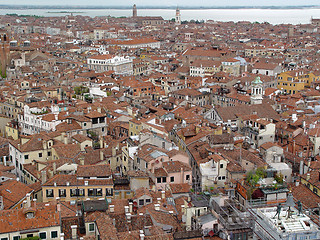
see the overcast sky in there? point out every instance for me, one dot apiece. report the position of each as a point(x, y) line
point(195, 3)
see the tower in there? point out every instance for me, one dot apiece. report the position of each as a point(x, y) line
point(4, 53)
point(256, 91)
point(178, 17)
point(134, 11)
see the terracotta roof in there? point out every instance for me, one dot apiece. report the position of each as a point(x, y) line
point(180, 188)
point(46, 215)
point(12, 192)
point(93, 170)
point(63, 180)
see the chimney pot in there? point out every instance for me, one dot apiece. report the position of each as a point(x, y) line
point(308, 176)
point(74, 231)
point(112, 208)
point(126, 209)
point(157, 207)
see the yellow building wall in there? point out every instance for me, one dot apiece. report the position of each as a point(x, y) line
point(11, 132)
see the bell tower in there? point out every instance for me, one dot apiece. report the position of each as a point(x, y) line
point(256, 91)
point(4, 53)
point(134, 11)
point(178, 17)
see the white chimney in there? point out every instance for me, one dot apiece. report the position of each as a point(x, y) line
point(128, 216)
point(130, 207)
point(61, 236)
point(74, 231)
point(28, 200)
point(159, 200)
point(5, 160)
point(294, 117)
point(163, 194)
point(126, 209)
point(157, 207)
point(111, 208)
point(142, 236)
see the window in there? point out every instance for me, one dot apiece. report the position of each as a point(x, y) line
point(43, 235)
point(62, 193)
point(49, 193)
point(164, 179)
point(4, 238)
point(77, 192)
point(99, 192)
point(141, 202)
point(148, 200)
point(40, 155)
point(26, 157)
point(54, 234)
point(187, 177)
point(91, 192)
point(159, 180)
point(16, 237)
point(172, 179)
point(221, 165)
point(49, 154)
point(91, 227)
point(109, 192)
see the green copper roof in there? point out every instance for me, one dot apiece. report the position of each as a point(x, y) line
point(257, 81)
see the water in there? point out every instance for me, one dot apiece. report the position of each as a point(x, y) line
point(273, 16)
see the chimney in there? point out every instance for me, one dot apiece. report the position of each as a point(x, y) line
point(65, 139)
point(182, 175)
point(61, 236)
point(130, 206)
point(128, 216)
point(24, 204)
point(159, 200)
point(5, 160)
point(163, 194)
point(182, 208)
point(74, 231)
point(141, 235)
point(126, 209)
point(35, 203)
point(81, 159)
point(157, 207)
point(301, 172)
point(111, 208)
point(43, 176)
point(297, 183)
point(308, 176)
point(28, 200)
point(54, 167)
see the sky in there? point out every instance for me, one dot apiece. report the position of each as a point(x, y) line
point(199, 3)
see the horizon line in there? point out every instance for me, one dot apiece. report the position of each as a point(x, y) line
point(17, 6)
